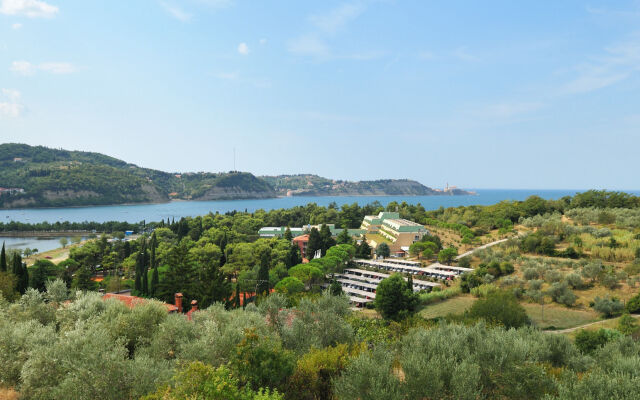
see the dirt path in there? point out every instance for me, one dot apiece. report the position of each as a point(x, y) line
point(575, 328)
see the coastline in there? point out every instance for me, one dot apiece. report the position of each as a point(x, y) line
point(471, 193)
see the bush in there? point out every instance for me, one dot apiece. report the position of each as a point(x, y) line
point(501, 308)
point(608, 307)
point(560, 293)
point(589, 341)
point(633, 305)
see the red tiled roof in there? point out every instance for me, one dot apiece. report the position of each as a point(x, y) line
point(132, 301)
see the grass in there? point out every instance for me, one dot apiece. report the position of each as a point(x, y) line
point(455, 305)
point(559, 317)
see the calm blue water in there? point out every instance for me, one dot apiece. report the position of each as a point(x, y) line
point(156, 212)
point(40, 243)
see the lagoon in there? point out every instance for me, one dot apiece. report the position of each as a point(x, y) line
point(177, 209)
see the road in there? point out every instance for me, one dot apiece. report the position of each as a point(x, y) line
point(569, 330)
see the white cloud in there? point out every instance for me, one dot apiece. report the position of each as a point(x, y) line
point(9, 103)
point(338, 18)
point(618, 63)
point(176, 12)
point(16, 26)
point(243, 49)
point(58, 68)
point(263, 41)
point(309, 46)
point(22, 68)
point(26, 68)
point(28, 8)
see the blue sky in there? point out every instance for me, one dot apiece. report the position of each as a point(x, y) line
point(493, 94)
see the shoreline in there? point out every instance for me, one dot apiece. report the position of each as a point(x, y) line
point(235, 199)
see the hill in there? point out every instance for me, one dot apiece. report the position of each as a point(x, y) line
point(314, 185)
point(44, 177)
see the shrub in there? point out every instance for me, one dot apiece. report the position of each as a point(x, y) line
point(589, 341)
point(501, 308)
point(560, 293)
point(608, 307)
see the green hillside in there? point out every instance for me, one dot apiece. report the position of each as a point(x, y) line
point(53, 177)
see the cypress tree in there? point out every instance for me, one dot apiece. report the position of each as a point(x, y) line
point(3, 259)
point(20, 272)
point(263, 274)
point(155, 279)
point(327, 239)
point(410, 282)
point(315, 243)
point(145, 279)
point(237, 297)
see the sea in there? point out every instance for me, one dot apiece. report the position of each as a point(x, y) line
point(176, 209)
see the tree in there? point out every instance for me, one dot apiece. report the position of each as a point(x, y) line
point(82, 280)
point(314, 244)
point(327, 239)
point(63, 242)
point(383, 250)
point(335, 288)
point(288, 236)
point(155, 280)
point(8, 283)
point(393, 299)
point(40, 274)
point(363, 250)
point(410, 282)
point(289, 286)
point(499, 307)
point(344, 237)
point(293, 256)
point(447, 255)
point(608, 307)
point(263, 274)
point(3, 259)
point(20, 271)
point(261, 361)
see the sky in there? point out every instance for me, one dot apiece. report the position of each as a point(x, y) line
point(492, 94)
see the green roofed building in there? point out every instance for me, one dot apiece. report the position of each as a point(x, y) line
point(397, 232)
point(278, 231)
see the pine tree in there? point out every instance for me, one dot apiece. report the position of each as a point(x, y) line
point(263, 274)
point(364, 250)
point(410, 282)
point(288, 236)
point(3, 259)
point(344, 237)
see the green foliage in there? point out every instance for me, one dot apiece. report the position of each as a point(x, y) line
point(393, 299)
point(383, 250)
point(290, 286)
point(447, 255)
point(589, 341)
point(501, 308)
point(607, 306)
point(261, 362)
point(627, 325)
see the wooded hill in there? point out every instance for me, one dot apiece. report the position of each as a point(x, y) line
point(314, 185)
point(53, 177)
point(59, 178)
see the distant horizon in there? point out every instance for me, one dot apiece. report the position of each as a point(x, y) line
point(635, 191)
